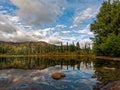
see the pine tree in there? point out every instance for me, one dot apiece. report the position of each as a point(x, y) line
point(107, 26)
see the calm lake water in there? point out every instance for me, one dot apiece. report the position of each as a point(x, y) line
point(34, 73)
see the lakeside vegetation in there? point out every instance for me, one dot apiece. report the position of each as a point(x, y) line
point(106, 29)
point(43, 48)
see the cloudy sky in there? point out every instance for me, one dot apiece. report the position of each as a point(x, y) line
point(52, 21)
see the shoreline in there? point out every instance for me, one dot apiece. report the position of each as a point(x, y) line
point(46, 55)
point(69, 55)
point(108, 58)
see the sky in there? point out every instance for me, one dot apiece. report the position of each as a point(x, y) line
point(52, 21)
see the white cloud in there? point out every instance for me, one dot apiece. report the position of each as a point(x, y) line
point(85, 31)
point(73, 26)
point(35, 13)
point(1, 7)
point(14, 19)
point(60, 26)
point(2, 23)
point(55, 40)
point(84, 16)
point(38, 12)
point(5, 25)
point(65, 32)
point(10, 31)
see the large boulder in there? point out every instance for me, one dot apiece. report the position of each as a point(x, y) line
point(58, 75)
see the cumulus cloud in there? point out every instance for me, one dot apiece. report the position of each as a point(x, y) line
point(6, 26)
point(11, 32)
point(55, 40)
point(38, 12)
point(18, 25)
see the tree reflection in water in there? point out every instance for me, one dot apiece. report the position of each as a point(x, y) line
point(81, 73)
point(40, 62)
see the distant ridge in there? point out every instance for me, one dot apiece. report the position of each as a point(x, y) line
point(25, 47)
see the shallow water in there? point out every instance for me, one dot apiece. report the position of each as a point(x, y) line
point(35, 73)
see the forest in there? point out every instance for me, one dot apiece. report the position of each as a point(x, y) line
point(32, 48)
point(106, 29)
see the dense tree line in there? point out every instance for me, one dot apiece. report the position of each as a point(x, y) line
point(106, 29)
point(26, 48)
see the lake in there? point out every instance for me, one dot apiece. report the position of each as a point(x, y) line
point(34, 73)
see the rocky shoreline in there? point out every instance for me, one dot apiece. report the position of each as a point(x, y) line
point(112, 86)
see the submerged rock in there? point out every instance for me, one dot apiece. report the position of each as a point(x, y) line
point(58, 75)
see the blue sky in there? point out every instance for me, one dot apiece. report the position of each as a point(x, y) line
point(53, 21)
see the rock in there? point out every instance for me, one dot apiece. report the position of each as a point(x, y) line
point(112, 86)
point(58, 75)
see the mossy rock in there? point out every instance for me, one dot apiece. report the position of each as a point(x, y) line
point(58, 75)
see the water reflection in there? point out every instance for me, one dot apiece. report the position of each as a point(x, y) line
point(34, 73)
point(40, 62)
point(105, 76)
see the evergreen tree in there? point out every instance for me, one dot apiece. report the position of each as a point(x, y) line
point(78, 46)
point(106, 27)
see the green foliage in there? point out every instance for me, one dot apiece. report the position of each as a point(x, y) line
point(72, 48)
point(107, 29)
point(111, 46)
point(77, 46)
point(25, 48)
point(42, 48)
